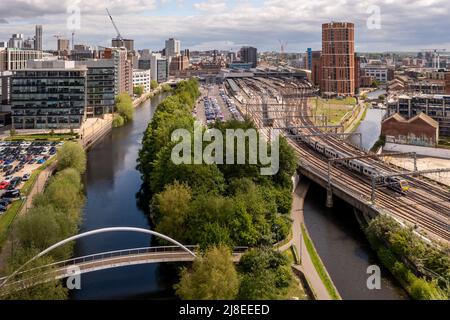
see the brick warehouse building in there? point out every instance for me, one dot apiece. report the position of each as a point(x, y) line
point(338, 58)
point(420, 130)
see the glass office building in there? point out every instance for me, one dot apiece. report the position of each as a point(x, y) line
point(49, 95)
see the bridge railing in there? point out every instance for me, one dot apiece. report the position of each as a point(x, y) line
point(109, 255)
point(118, 254)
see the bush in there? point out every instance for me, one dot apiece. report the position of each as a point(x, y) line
point(71, 155)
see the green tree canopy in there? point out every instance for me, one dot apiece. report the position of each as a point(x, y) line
point(124, 106)
point(213, 277)
point(71, 155)
point(154, 84)
point(138, 90)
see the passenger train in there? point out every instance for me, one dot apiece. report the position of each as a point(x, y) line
point(395, 183)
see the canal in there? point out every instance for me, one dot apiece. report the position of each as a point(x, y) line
point(112, 183)
point(344, 250)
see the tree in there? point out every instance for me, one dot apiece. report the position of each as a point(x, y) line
point(48, 290)
point(71, 155)
point(172, 209)
point(265, 274)
point(154, 84)
point(213, 277)
point(381, 97)
point(118, 121)
point(138, 90)
point(124, 106)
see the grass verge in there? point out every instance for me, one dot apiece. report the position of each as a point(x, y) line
point(9, 215)
point(43, 137)
point(323, 274)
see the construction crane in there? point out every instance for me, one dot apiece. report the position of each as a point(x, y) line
point(119, 36)
point(437, 53)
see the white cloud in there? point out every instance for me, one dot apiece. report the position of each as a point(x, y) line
point(211, 6)
point(405, 23)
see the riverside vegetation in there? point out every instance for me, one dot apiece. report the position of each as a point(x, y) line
point(218, 207)
point(54, 216)
point(422, 269)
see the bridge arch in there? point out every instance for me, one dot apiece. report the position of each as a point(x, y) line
point(94, 232)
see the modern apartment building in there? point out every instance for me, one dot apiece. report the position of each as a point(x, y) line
point(178, 63)
point(102, 85)
point(63, 44)
point(173, 48)
point(15, 59)
point(338, 58)
point(249, 55)
point(142, 78)
point(16, 41)
point(378, 71)
point(159, 68)
point(435, 106)
point(49, 95)
point(38, 38)
point(123, 66)
point(127, 43)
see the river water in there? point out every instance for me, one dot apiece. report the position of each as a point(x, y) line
point(344, 250)
point(112, 184)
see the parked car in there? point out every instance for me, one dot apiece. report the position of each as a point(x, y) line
point(11, 194)
point(26, 177)
point(5, 202)
point(4, 185)
point(3, 209)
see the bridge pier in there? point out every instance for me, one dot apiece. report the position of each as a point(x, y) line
point(329, 202)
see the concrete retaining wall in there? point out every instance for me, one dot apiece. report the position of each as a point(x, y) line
point(424, 151)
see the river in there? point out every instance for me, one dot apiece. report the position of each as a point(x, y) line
point(112, 183)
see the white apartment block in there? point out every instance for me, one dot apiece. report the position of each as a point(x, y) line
point(142, 78)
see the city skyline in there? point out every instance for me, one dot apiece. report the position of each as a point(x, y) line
point(224, 25)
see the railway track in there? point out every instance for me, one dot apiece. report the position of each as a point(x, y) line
point(426, 206)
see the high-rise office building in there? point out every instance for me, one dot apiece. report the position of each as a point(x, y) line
point(127, 43)
point(249, 55)
point(173, 48)
point(123, 66)
point(16, 41)
point(102, 82)
point(15, 59)
point(338, 58)
point(48, 95)
point(159, 68)
point(38, 38)
point(63, 44)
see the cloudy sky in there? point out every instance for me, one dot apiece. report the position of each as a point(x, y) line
point(381, 25)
